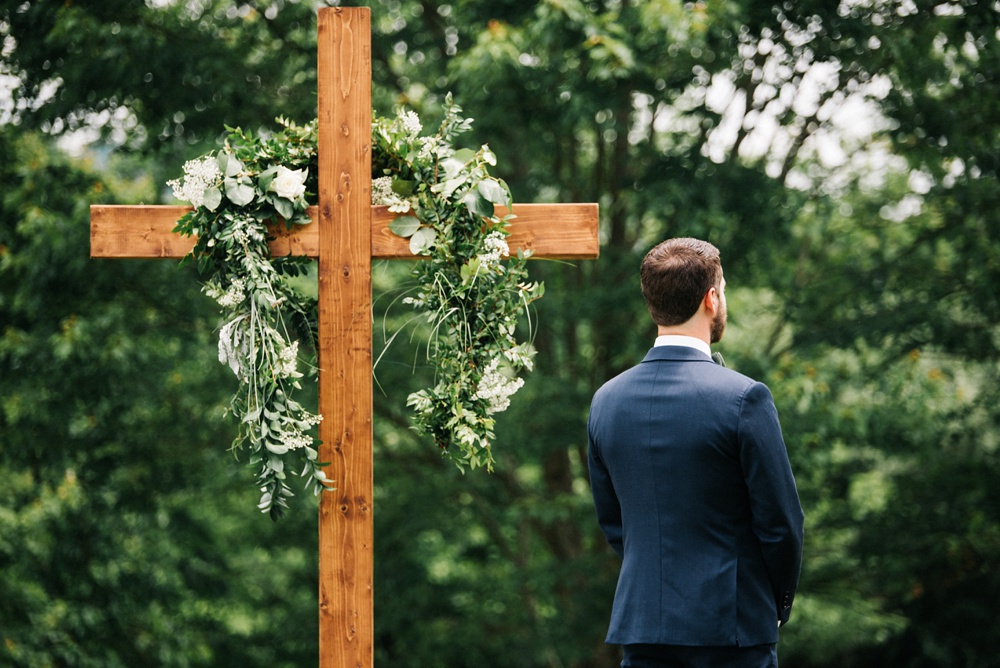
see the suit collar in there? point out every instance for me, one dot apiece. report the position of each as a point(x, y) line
point(679, 340)
point(676, 354)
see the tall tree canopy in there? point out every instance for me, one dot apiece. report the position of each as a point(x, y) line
point(843, 156)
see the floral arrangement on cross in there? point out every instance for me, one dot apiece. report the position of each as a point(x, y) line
point(469, 289)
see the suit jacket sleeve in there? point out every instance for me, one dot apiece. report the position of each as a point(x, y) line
point(609, 511)
point(774, 501)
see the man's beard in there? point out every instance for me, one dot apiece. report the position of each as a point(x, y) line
point(719, 324)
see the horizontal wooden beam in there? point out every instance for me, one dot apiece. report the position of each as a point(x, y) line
point(555, 231)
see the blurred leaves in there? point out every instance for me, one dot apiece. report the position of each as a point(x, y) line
point(843, 157)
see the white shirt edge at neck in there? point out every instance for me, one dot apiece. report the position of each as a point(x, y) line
point(680, 340)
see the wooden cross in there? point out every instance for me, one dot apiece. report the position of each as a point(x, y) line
point(346, 234)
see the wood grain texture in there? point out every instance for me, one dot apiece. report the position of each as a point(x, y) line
point(564, 231)
point(346, 615)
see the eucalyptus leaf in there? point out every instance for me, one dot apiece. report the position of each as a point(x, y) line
point(276, 448)
point(266, 177)
point(423, 240)
point(233, 166)
point(238, 193)
point(404, 226)
point(212, 199)
point(494, 192)
point(283, 207)
point(464, 155)
point(478, 204)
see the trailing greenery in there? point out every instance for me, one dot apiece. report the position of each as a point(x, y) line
point(469, 296)
point(237, 192)
point(466, 291)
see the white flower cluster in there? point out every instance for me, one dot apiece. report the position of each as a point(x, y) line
point(411, 123)
point(382, 190)
point(495, 249)
point(199, 176)
point(497, 388)
point(233, 296)
point(297, 438)
point(384, 195)
point(287, 360)
point(246, 228)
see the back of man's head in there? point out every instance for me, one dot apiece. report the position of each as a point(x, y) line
point(675, 275)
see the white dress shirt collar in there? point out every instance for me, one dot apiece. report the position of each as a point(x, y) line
point(679, 340)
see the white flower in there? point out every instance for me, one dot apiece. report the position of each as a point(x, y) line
point(494, 249)
point(294, 440)
point(233, 296)
point(497, 388)
point(382, 190)
point(290, 184)
point(411, 123)
point(199, 176)
point(287, 360)
point(383, 194)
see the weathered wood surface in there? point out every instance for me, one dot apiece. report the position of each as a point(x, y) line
point(563, 231)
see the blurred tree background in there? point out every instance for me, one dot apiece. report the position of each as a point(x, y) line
point(843, 156)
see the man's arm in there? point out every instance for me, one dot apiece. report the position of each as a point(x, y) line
point(609, 511)
point(774, 500)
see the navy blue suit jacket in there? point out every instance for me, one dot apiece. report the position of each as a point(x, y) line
point(693, 490)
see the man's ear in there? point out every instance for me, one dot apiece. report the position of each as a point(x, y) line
point(711, 301)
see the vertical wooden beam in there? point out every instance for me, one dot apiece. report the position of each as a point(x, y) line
point(345, 337)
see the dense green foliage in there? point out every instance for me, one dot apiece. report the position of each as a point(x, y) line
point(843, 157)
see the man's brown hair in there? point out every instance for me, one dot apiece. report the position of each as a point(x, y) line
point(675, 275)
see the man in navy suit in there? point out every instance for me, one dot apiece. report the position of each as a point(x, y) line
point(692, 485)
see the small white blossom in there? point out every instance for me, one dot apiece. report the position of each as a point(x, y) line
point(383, 194)
point(495, 248)
point(287, 360)
point(233, 296)
point(497, 388)
point(382, 190)
point(199, 176)
point(294, 440)
point(411, 123)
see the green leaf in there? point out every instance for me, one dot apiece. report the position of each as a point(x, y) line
point(404, 226)
point(422, 240)
point(478, 204)
point(276, 448)
point(283, 207)
point(239, 193)
point(464, 155)
point(470, 269)
point(402, 187)
point(493, 191)
point(233, 166)
point(448, 188)
point(213, 198)
point(266, 177)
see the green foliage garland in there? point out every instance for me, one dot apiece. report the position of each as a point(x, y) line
point(469, 295)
